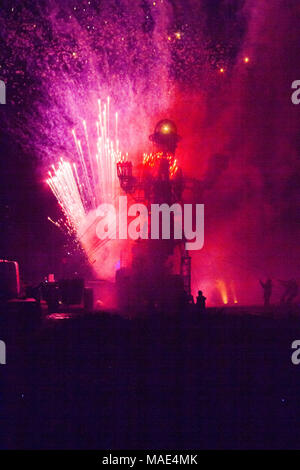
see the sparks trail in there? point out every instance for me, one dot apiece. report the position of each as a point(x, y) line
point(80, 186)
point(150, 160)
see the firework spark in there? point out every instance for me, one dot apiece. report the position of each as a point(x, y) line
point(150, 160)
point(80, 186)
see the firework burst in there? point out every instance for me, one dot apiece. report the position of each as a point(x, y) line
point(91, 179)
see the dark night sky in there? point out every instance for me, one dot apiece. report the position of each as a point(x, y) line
point(26, 235)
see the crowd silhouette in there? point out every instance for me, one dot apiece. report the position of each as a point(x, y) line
point(289, 294)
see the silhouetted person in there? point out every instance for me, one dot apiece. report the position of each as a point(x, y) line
point(267, 287)
point(290, 291)
point(200, 302)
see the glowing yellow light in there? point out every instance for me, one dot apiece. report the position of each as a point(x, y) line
point(246, 60)
point(223, 291)
point(222, 70)
point(178, 35)
point(169, 38)
point(166, 129)
point(233, 292)
point(74, 54)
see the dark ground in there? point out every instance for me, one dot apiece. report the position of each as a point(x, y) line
point(103, 382)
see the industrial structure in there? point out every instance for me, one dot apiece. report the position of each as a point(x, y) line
point(160, 272)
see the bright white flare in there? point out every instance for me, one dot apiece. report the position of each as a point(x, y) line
point(82, 185)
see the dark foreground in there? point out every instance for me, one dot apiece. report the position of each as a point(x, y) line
point(103, 382)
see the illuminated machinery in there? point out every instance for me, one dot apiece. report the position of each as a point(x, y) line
point(151, 280)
